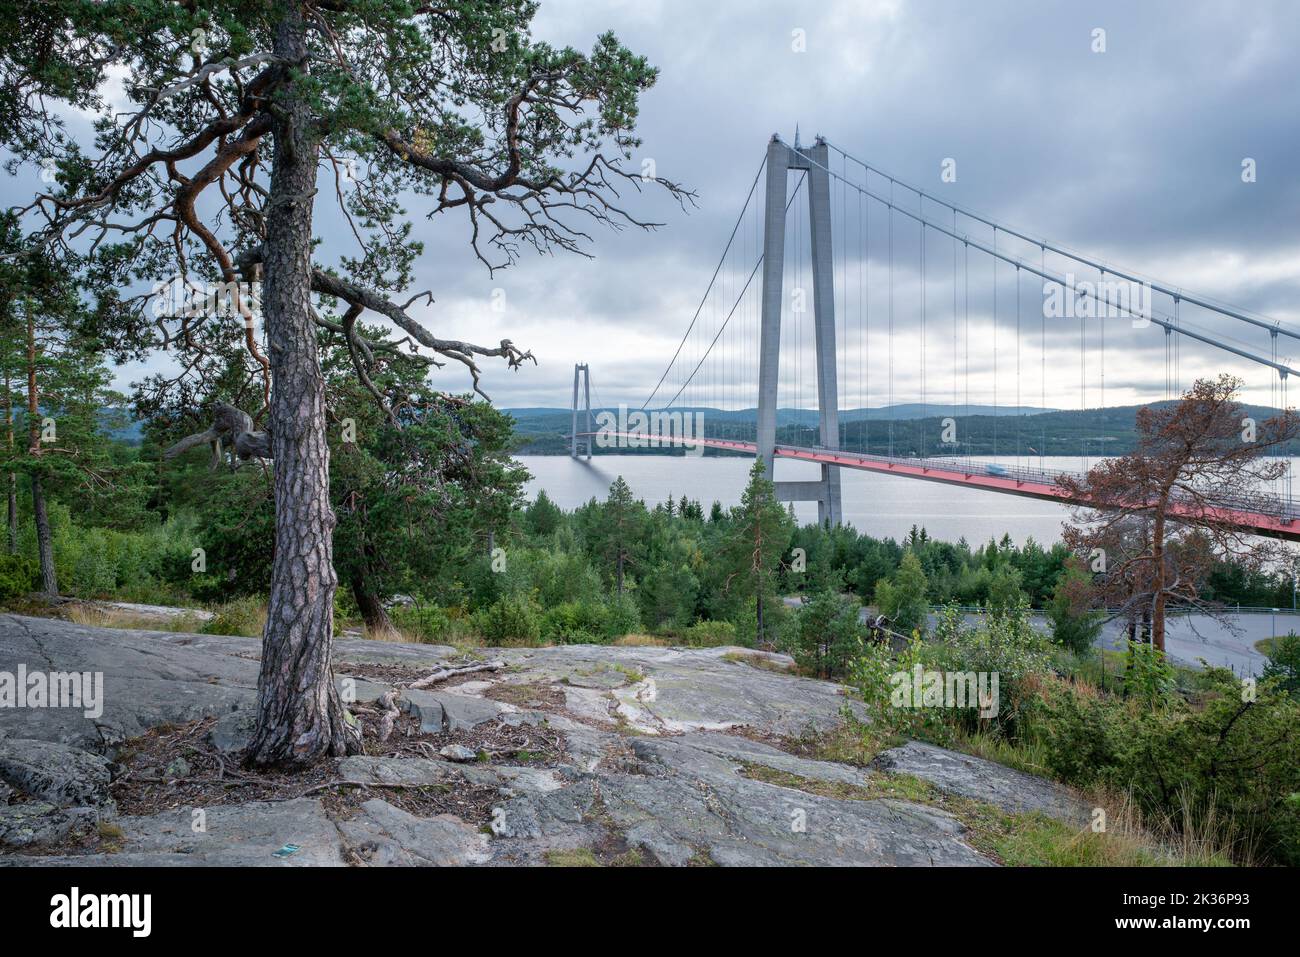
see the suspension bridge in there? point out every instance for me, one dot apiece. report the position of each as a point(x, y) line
point(797, 322)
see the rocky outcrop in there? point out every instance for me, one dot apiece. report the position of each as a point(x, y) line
point(651, 754)
point(1013, 791)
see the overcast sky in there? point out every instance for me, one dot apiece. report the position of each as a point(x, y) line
point(1133, 154)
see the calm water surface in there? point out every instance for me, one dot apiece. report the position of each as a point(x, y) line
point(879, 505)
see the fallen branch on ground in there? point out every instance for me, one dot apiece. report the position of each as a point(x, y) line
point(442, 674)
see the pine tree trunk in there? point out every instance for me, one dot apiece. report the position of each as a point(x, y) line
point(13, 514)
point(372, 609)
point(44, 540)
point(300, 716)
point(1157, 613)
point(12, 478)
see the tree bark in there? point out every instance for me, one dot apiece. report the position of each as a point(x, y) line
point(372, 609)
point(44, 540)
point(11, 478)
point(1158, 578)
point(300, 716)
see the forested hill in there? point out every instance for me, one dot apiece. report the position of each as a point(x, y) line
point(907, 430)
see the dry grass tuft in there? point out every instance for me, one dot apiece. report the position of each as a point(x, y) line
point(96, 616)
point(640, 641)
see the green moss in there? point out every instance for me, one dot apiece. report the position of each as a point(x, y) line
point(577, 857)
point(755, 661)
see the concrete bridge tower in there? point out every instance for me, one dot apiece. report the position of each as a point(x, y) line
point(781, 159)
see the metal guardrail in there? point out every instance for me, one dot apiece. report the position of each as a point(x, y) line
point(1263, 502)
point(1231, 609)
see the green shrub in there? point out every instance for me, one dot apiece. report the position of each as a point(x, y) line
point(1080, 732)
point(427, 622)
point(574, 623)
point(826, 635)
point(1148, 676)
point(1005, 645)
point(17, 576)
point(243, 616)
point(1075, 625)
point(622, 616)
point(877, 675)
point(1284, 662)
point(903, 599)
point(590, 622)
point(511, 619)
point(710, 634)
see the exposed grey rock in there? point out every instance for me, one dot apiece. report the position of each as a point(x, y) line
point(678, 790)
point(605, 679)
point(512, 780)
point(458, 752)
point(150, 678)
point(164, 613)
point(359, 690)
point(756, 752)
point(425, 706)
point(557, 816)
point(233, 731)
point(464, 713)
point(1011, 790)
point(385, 836)
point(410, 772)
point(53, 772)
point(693, 802)
point(234, 835)
point(518, 719)
point(417, 656)
point(589, 748)
point(34, 822)
point(685, 689)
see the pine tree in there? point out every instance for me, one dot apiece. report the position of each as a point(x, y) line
point(242, 117)
point(619, 534)
point(759, 535)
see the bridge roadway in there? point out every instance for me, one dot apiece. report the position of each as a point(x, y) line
point(1280, 521)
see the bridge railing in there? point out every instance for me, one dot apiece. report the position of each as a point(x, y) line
point(1261, 502)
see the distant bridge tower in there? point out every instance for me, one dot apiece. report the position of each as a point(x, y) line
point(580, 369)
point(780, 160)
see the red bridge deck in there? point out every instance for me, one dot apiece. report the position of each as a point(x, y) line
point(983, 475)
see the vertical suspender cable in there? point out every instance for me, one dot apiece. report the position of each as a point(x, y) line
point(920, 422)
point(889, 409)
point(1083, 382)
point(995, 343)
point(864, 322)
point(1101, 331)
point(1042, 360)
point(965, 265)
point(1019, 411)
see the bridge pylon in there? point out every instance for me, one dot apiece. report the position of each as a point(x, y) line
point(580, 369)
point(781, 159)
